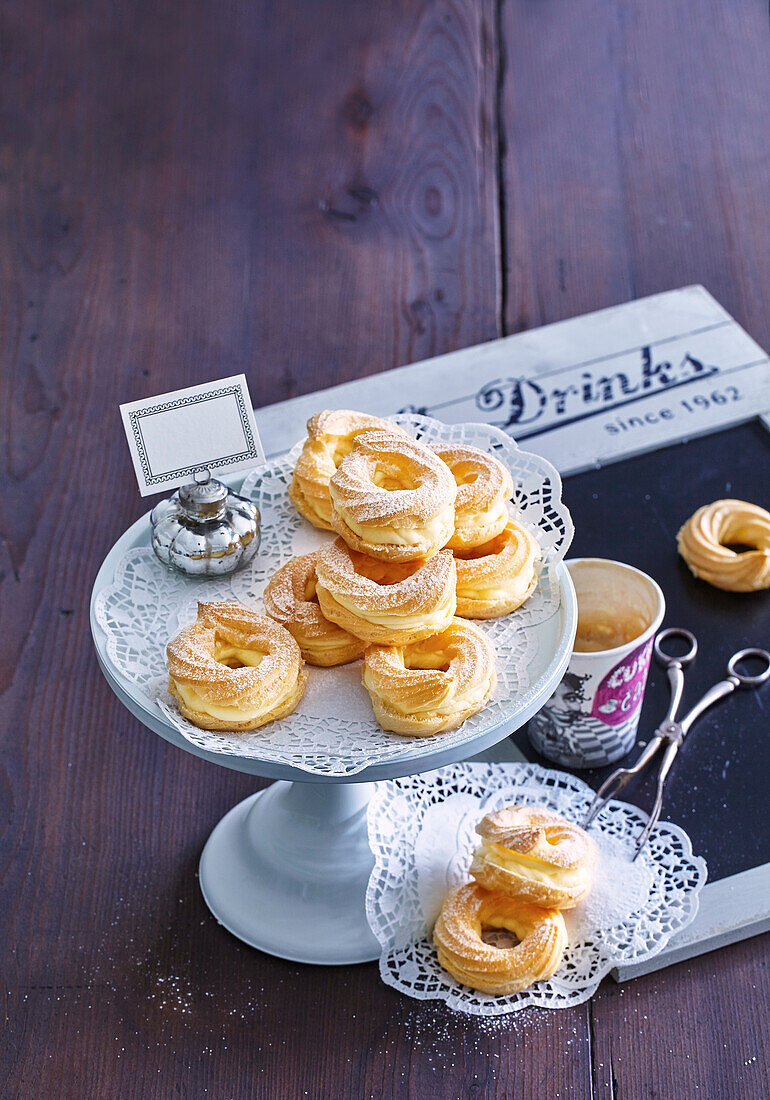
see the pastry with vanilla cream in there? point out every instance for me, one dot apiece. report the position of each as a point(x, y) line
point(390, 603)
point(291, 599)
point(534, 855)
point(497, 577)
point(468, 911)
point(434, 685)
point(330, 437)
point(393, 498)
point(484, 487)
point(234, 669)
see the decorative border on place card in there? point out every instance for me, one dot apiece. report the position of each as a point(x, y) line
point(168, 452)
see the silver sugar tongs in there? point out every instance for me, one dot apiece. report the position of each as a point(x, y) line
point(671, 732)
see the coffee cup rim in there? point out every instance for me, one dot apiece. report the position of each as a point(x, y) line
point(640, 639)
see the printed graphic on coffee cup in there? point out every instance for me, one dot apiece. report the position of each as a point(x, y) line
point(620, 693)
point(592, 717)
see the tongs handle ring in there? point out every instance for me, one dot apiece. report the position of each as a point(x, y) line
point(734, 680)
point(743, 679)
point(676, 632)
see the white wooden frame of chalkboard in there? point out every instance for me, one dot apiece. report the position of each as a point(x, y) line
point(583, 392)
point(730, 909)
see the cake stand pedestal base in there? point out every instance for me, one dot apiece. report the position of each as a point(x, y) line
point(286, 871)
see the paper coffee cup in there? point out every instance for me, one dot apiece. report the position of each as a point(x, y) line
point(592, 717)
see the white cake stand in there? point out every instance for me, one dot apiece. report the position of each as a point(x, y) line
point(286, 870)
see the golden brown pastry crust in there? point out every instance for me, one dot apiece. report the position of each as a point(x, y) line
point(496, 578)
point(433, 685)
point(701, 543)
point(390, 603)
point(255, 694)
point(484, 487)
point(290, 598)
point(467, 911)
point(330, 436)
point(393, 498)
point(535, 855)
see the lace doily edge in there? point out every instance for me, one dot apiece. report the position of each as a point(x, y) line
point(688, 909)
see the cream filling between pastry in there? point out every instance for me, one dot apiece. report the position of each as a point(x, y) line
point(438, 617)
point(321, 509)
point(193, 701)
point(474, 698)
point(471, 521)
point(486, 594)
point(565, 877)
point(251, 657)
point(504, 592)
point(431, 532)
point(471, 698)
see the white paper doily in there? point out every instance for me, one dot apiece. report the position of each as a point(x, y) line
point(421, 831)
point(147, 604)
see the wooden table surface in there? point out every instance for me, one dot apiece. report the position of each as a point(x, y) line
point(311, 192)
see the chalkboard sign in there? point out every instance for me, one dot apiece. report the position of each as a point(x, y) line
point(718, 789)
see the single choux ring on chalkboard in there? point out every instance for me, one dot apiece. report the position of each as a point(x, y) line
point(390, 603)
point(291, 599)
point(470, 910)
point(393, 498)
point(433, 685)
point(219, 675)
point(535, 855)
point(484, 487)
point(497, 577)
point(702, 543)
point(330, 436)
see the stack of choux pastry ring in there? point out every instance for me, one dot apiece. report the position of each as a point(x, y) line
point(330, 438)
point(532, 863)
point(425, 541)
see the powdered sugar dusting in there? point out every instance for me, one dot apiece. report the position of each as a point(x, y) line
point(421, 485)
point(620, 888)
point(481, 479)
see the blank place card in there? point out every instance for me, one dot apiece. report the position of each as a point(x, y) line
point(209, 427)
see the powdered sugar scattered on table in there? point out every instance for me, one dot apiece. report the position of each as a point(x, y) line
point(422, 833)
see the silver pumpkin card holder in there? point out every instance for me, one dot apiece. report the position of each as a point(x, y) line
point(671, 732)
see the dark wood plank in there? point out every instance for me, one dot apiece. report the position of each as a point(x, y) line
point(636, 155)
point(697, 1029)
point(564, 235)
